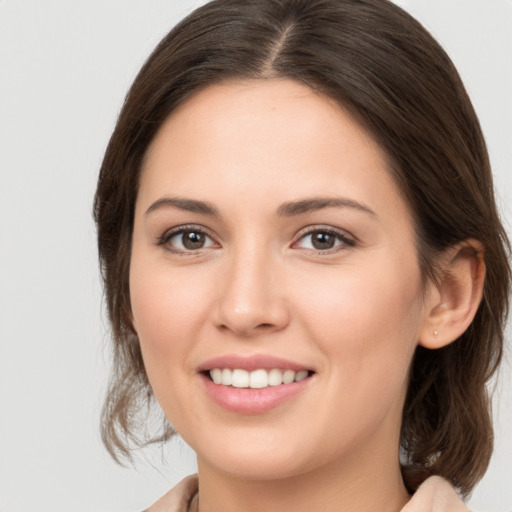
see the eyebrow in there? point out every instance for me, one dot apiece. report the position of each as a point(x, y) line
point(302, 206)
point(287, 209)
point(188, 205)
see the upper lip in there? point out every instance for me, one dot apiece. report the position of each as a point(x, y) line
point(251, 363)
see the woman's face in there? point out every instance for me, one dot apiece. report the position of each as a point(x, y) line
point(269, 236)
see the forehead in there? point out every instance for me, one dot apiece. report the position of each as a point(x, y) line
point(257, 137)
point(281, 107)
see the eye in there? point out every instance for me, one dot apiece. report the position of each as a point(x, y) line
point(185, 240)
point(324, 240)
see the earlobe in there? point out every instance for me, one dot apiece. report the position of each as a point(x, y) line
point(451, 307)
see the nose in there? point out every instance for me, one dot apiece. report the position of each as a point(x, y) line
point(251, 296)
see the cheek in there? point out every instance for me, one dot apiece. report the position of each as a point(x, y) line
point(367, 330)
point(161, 306)
point(167, 313)
point(366, 320)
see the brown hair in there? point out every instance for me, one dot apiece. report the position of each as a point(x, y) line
point(375, 59)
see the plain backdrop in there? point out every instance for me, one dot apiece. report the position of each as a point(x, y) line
point(65, 67)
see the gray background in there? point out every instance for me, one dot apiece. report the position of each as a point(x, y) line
point(65, 67)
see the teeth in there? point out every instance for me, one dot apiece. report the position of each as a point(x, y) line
point(301, 375)
point(288, 376)
point(226, 377)
point(216, 376)
point(239, 378)
point(275, 377)
point(256, 379)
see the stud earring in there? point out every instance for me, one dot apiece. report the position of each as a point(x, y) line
point(435, 333)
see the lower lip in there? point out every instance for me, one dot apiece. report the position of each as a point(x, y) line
point(252, 401)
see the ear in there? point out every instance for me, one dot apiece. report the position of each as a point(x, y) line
point(453, 301)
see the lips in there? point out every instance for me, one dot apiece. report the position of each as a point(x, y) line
point(250, 363)
point(254, 384)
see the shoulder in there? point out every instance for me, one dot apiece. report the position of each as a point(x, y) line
point(178, 498)
point(435, 494)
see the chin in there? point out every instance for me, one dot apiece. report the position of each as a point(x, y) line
point(260, 466)
point(242, 452)
point(261, 455)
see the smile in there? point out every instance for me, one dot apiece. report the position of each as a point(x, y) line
point(256, 379)
point(254, 384)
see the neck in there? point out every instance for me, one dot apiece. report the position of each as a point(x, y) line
point(349, 487)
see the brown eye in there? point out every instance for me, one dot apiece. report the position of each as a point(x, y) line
point(192, 240)
point(324, 240)
point(187, 240)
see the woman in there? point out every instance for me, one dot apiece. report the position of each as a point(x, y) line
point(302, 258)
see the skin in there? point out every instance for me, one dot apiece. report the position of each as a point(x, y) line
point(353, 313)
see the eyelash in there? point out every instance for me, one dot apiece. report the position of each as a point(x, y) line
point(342, 237)
point(346, 241)
point(163, 241)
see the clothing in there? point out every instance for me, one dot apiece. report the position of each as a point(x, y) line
point(184, 498)
point(181, 498)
